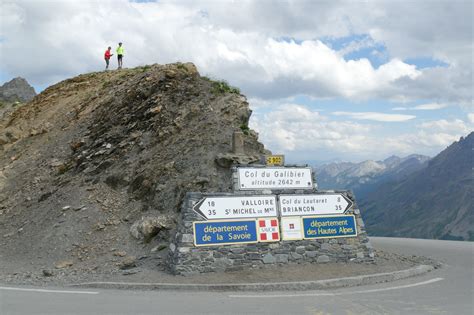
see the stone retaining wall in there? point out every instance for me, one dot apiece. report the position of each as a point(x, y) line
point(186, 259)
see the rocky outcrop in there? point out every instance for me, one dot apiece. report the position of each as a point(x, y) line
point(118, 146)
point(146, 228)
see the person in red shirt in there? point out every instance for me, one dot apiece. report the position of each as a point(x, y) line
point(107, 56)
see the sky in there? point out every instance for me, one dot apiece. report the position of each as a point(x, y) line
point(326, 80)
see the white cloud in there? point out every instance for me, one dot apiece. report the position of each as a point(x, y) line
point(470, 117)
point(429, 106)
point(291, 127)
point(287, 68)
point(248, 44)
point(258, 103)
point(375, 116)
point(303, 133)
point(357, 45)
point(452, 126)
point(432, 136)
point(451, 85)
point(69, 37)
point(397, 25)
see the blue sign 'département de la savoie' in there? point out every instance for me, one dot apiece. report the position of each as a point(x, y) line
point(225, 232)
point(330, 226)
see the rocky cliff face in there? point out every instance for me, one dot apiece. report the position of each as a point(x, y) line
point(16, 90)
point(92, 155)
point(434, 202)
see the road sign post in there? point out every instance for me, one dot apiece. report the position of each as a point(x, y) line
point(329, 226)
point(313, 204)
point(211, 233)
point(234, 207)
point(268, 230)
point(275, 160)
point(274, 178)
point(291, 229)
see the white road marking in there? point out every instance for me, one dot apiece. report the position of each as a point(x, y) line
point(48, 291)
point(338, 293)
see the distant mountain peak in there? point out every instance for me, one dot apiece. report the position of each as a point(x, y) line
point(391, 158)
point(366, 168)
point(365, 176)
point(17, 89)
point(418, 157)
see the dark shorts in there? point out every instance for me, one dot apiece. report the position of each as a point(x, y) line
point(119, 57)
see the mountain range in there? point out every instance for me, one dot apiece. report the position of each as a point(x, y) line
point(433, 202)
point(414, 196)
point(366, 176)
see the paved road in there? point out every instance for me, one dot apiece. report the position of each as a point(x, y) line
point(448, 290)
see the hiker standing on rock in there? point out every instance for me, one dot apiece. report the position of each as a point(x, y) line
point(120, 52)
point(107, 56)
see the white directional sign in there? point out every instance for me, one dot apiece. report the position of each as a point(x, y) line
point(313, 204)
point(275, 178)
point(214, 208)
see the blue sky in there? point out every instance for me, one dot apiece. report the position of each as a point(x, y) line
point(326, 80)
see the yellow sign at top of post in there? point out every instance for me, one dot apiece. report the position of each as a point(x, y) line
point(275, 160)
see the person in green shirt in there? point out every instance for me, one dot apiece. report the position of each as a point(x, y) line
point(120, 52)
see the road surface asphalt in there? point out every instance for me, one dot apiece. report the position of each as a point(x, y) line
point(448, 290)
